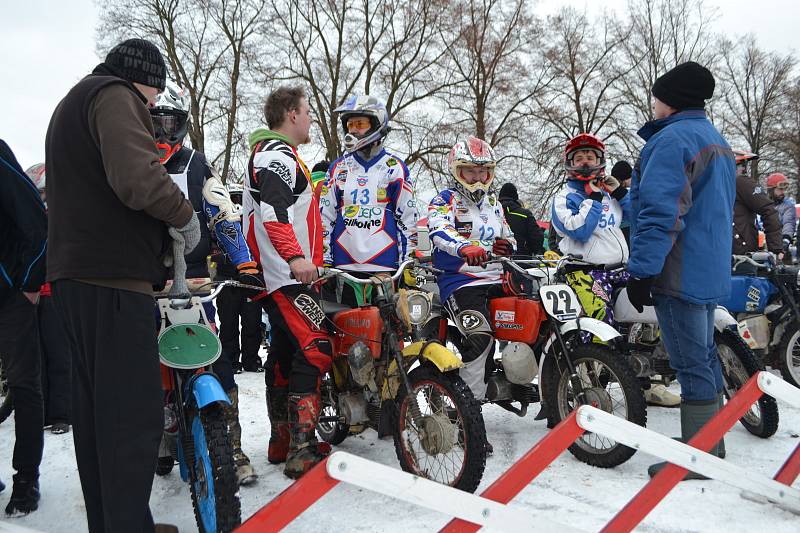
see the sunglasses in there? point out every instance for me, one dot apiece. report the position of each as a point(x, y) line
point(358, 123)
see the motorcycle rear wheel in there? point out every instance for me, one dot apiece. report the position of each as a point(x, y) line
point(788, 354)
point(331, 432)
point(215, 489)
point(448, 406)
point(739, 363)
point(611, 384)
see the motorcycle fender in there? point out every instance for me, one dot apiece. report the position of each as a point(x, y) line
point(391, 384)
point(432, 351)
point(724, 320)
point(596, 327)
point(206, 389)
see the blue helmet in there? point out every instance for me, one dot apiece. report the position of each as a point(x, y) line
point(364, 106)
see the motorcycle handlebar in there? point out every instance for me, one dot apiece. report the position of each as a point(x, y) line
point(335, 272)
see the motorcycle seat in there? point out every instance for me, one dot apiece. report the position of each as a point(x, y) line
point(331, 308)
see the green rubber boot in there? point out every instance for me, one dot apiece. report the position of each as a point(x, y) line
point(694, 415)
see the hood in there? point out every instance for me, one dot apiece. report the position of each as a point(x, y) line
point(264, 134)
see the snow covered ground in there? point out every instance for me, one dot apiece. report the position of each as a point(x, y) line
point(568, 491)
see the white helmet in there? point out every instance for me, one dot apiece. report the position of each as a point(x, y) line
point(472, 152)
point(364, 106)
point(171, 119)
point(37, 175)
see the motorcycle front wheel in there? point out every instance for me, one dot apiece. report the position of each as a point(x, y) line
point(449, 445)
point(738, 364)
point(788, 354)
point(609, 384)
point(215, 489)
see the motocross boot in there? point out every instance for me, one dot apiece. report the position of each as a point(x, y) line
point(304, 449)
point(245, 473)
point(694, 415)
point(278, 409)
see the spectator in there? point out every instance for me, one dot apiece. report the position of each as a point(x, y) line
point(110, 204)
point(622, 171)
point(23, 238)
point(528, 234)
point(751, 201)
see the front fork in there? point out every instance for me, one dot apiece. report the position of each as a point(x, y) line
point(574, 379)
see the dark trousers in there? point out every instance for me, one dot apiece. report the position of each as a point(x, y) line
point(231, 304)
point(19, 343)
point(56, 363)
point(117, 403)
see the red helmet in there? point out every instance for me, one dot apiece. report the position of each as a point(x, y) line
point(744, 157)
point(585, 141)
point(777, 180)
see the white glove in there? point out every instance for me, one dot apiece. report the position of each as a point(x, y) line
point(610, 184)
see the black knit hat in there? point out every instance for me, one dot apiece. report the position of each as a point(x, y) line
point(621, 170)
point(509, 190)
point(687, 85)
point(140, 61)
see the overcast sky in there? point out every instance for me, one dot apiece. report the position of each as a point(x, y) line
point(47, 46)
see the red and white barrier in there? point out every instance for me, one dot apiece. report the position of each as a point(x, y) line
point(489, 510)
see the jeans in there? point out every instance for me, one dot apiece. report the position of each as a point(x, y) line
point(687, 331)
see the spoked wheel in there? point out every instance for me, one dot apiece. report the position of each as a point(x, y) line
point(609, 384)
point(788, 354)
point(449, 445)
point(214, 489)
point(330, 431)
point(739, 364)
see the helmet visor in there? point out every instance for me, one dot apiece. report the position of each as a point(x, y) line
point(167, 126)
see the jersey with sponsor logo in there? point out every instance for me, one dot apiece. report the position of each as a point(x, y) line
point(280, 213)
point(454, 221)
point(369, 213)
point(590, 228)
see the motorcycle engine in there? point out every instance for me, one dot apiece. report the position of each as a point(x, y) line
point(353, 407)
point(498, 388)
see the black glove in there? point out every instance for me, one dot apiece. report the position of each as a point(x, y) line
point(639, 293)
point(250, 275)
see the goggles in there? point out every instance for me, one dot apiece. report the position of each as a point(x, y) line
point(358, 123)
point(166, 126)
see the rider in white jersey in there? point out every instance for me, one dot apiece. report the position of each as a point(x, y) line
point(367, 203)
point(465, 223)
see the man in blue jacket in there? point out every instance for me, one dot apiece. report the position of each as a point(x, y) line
point(682, 197)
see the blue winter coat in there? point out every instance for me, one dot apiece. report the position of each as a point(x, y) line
point(682, 196)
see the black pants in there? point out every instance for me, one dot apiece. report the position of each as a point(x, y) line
point(19, 343)
point(231, 304)
point(117, 403)
point(56, 363)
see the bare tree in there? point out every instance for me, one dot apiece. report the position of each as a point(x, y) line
point(755, 85)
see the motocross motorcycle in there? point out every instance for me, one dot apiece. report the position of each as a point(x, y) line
point(643, 347)
point(195, 428)
point(411, 390)
point(766, 304)
point(543, 358)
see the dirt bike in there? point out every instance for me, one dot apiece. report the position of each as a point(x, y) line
point(544, 359)
point(766, 305)
point(195, 428)
point(647, 355)
point(412, 392)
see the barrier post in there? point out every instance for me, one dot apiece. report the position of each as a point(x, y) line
point(290, 503)
point(526, 469)
point(709, 435)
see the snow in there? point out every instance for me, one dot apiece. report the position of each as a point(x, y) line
point(568, 491)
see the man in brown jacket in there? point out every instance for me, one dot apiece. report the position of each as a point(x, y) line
point(752, 200)
point(110, 204)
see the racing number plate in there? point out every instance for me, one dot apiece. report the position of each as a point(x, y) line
point(560, 302)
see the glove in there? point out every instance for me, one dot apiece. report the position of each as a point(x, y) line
point(191, 233)
point(248, 274)
point(610, 184)
point(473, 255)
point(593, 191)
point(502, 247)
point(639, 292)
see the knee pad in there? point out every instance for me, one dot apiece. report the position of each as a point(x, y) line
point(477, 334)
